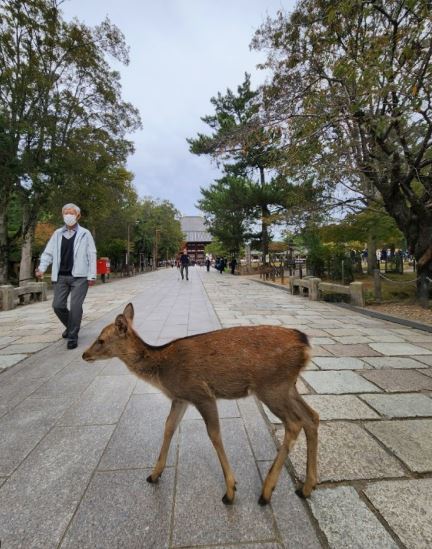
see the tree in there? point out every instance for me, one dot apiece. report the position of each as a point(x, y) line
point(351, 93)
point(245, 148)
point(54, 81)
point(228, 213)
point(161, 216)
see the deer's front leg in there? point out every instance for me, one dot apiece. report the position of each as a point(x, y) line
point(209, 412)
point(178, 409)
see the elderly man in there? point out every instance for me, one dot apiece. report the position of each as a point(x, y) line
point(72, 252)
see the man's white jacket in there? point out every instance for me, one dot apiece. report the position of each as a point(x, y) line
point(84, 254)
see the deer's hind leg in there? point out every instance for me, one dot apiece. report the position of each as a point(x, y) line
point(209, 412)
point(178, 409)
point(292, 429)
point(281, 401)
point(310, 426)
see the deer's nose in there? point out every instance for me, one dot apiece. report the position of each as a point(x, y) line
point(85, 355)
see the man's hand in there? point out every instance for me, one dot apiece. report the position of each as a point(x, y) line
point(38, 273)
point(91, 282)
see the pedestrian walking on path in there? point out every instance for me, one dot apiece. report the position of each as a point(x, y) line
point(72, 252)
point(184, 265)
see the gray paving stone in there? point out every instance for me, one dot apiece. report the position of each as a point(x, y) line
point(317, 350)
point(347, 521)
point(400, 405)
point(338, 382)
point(226, 408)
point(292, 518)
point(346, 452)
point(38, 501)
point(410, 440)
point(138, 437)
point(200, 518)
point(2, 481)
point(385, 338)
point(102, 402)
point(351, 350)
point(399, 349)
point(352, 339)
point(71, 380)
point(264, 447)
point(6, 361)
point(394, 362)
point(399, 380)
point(340, 407)
point(121, 509)
point(265, 545)
point(23, 348)
point(23, 427)
point(405, 506)
point(425, 360)
point(427, 372)
point(340, 363)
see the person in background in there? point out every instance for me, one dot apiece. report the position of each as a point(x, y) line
point(207, 264)
point(184, 265)
point(233, 265)
point(72, 252)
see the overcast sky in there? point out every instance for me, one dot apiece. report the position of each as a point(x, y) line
point(182, 52)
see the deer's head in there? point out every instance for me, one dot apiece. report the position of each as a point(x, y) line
point(113, 339)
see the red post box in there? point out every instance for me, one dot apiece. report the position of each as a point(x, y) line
point(103, 267)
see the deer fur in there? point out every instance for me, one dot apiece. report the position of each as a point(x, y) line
point(231, 363)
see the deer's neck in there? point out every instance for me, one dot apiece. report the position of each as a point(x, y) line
point(141, 359)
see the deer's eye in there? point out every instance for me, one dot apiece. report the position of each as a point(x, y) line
point(101, 341)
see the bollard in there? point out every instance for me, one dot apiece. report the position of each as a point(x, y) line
point(357, 294)
point(314, 289)
point(8, 297)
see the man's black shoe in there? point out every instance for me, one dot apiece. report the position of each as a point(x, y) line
point(65, 334)
point(72, 344)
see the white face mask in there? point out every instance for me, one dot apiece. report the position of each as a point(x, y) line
point(70, 219)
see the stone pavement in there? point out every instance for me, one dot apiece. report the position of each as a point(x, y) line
point(77, 440)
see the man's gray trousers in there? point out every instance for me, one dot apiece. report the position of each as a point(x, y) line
point(77, 288)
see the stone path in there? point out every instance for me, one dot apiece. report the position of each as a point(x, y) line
point(77, 440)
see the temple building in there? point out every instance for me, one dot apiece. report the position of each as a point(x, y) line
point(196, 237)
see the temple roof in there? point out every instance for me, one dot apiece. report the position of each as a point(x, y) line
point(194, 229)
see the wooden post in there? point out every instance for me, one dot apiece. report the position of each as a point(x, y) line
point(377, 285)
point(343, 271)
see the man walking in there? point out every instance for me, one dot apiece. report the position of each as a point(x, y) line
point(72, 252)
point(184, 264)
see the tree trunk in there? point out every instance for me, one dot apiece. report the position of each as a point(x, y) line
point(264, 232)
point(265, 214)
point(371, 249)
point(4, 247)
point(26, 267)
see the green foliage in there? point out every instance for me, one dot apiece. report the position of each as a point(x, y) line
point(227, 209)
point(351, 90)
point(161, 216)
point(246, 149)
point(61, 108)
point(358, 227)
point(217, 249)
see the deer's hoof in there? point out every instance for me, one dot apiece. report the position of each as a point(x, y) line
point(263, 501)
point(299, 493)
point(227, 501)
point(150, 479)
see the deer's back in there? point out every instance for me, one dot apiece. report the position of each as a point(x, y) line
point(233, 362)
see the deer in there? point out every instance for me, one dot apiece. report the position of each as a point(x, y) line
point(264, 361)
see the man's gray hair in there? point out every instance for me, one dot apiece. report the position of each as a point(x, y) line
point(74, 206)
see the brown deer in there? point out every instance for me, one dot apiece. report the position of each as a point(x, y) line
point(230, 363)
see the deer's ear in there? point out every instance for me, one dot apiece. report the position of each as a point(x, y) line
point(121, 324)
point(129, 312)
